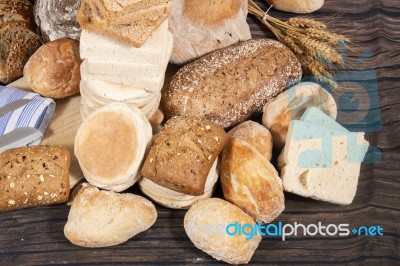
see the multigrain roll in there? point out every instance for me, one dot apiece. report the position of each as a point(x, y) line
point(34, 176)
point(181, 166)
point(229, 85)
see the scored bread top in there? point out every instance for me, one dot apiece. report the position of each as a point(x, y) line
point(183, 153)
point(131, 22)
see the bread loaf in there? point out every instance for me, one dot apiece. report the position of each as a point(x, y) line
point(54, 69)
point(291, 105)
point(256, 135)
point(251, 182)
point(183, 153)
point(34, 176)
point(229, 85)
point(110, 146)
point(103, 218)
point(206, 225)
point(57, 19)
point(129, 21)
point(297, 6)
point(202, 28)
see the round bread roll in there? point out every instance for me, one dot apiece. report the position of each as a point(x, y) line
point(176, 200)
point(201, 28)
point(297, 6)
point(256, 135)
point(206, 224)
point(54, 69)
point(110, 146)
point(291, 105)
point(104, 218)
point(57, 19)
point(251, 182)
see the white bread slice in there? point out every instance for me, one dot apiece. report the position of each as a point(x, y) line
point(313, 114)
point(133, 68)
point(332, 172)
point(106, 48)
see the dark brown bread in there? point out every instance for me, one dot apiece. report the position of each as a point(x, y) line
point(182, 154)
point(34, 176)
point(229, 85)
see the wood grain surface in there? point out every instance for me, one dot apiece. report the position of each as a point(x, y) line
point(35, 236)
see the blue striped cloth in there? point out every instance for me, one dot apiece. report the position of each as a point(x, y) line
point(36, 114)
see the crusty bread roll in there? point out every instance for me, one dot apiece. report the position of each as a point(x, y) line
point(177, 200)
point(104, 218)
point(54, 69)
point(251, 182)
point(183, 153)
point(291, 104)
point(297, 6)
point(34, 176)
point(129, 21)
point(206, 224)
point(202, 28)
point(110, 146)
point(229, 85)
point(57, 19)
point(256, 135)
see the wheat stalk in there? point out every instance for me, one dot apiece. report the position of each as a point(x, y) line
point(316, 47)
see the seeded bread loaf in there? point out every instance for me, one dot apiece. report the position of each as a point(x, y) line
point(183, 153)
point(229, 85)
point(34, 176)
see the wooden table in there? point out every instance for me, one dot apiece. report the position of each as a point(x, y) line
point(35, 236)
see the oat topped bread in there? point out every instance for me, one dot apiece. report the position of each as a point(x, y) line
point(183, 153)
point(229, 85)
point(130, 21)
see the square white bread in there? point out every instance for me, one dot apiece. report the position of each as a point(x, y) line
point(313, 114)
point(106, 48)
point(319, 163)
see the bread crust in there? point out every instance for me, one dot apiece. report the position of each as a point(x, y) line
point(229, 85)
point(34, 176)
point(297, 6)
point(103, 218)
point(183, 153)
point(251, 182)
point(54, 69)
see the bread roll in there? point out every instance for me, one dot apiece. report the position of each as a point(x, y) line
point(57, 19)
point(183, 153)
point(251, 182)
point(291, 104)
point(216, 215)
point(202, 28)
point(110, 146)
point(53, 70)
point(229, 85)
point(103, 218)
point(254, 134)
point(297, 6)
point(34, 176)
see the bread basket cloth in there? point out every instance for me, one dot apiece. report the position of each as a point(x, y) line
point(36, 114)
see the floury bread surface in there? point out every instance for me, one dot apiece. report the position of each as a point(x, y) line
point(229, 85)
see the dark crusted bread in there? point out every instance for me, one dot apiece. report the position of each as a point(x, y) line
point(18, 10)
point(229, 85)
point(183, 153)
point(34, 176)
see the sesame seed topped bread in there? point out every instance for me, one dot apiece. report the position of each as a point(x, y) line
point(183, 153)
point(202, 28)
point(34, 176)
point(131, 21)
point(110, 146)
point(229, 85)
point(104, 218)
